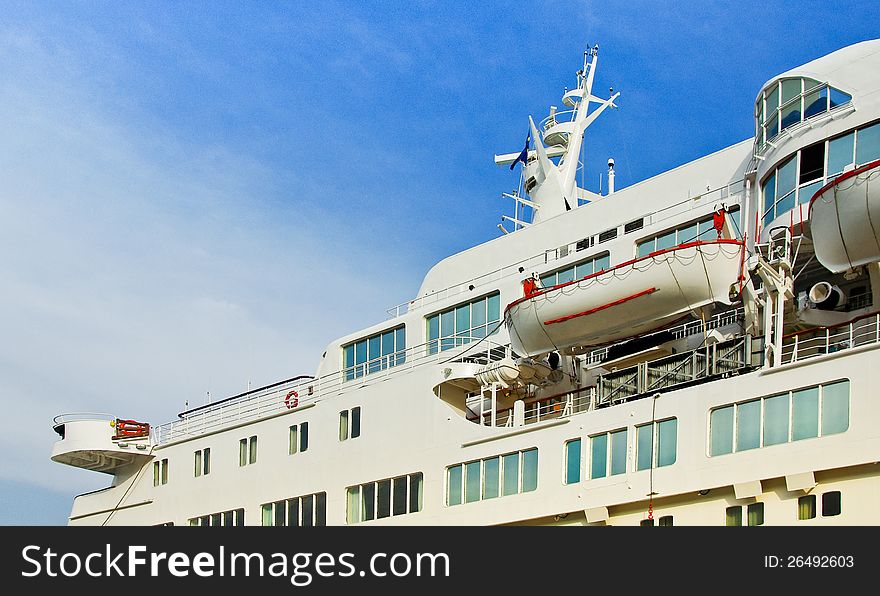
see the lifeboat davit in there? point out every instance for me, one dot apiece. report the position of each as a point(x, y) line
point(845, 219)
point(630, 299)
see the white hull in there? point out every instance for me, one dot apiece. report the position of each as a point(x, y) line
point(627, 300)
point(845, 219)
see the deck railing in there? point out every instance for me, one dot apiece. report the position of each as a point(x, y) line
point(279, 398)
point(861, 331)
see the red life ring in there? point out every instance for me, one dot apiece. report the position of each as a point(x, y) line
point(291, 403)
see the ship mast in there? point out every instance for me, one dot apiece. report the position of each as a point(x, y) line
point(552, 187)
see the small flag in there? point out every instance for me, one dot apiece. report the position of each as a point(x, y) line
point(523, 156)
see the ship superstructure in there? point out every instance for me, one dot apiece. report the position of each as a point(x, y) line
point(697, 348)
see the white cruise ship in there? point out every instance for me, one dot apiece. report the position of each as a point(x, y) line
point(695, 349)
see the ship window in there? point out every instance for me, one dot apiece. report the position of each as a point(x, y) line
point(665, 520)
point(298, 440)
point(733, 516)
point(721, 430)
point(647, 522)
point(160, 472)
point(776, 419)
point(840, 153)
point(380, 499)
point(790, 101)
point(634, 225)
point(663, 435)
point(374, 353)
point(804, 413)
point(492, 477)
point(748, 425)
point(807, 507)
point(607, 235)
point(835, 408)
point(831, 504)
point(812, 163)
point(233, 517)
point(305, 510)
point(350, 424)
point(868, 144)
point(573, 461)
point(756, 514)
point(463, 323)
point(607, 461)
point(247, 451)
point(576, 271)
point(453, 485)
point(202, 462)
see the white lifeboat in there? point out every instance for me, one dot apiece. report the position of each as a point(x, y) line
point(845, 219)
point(630, 299)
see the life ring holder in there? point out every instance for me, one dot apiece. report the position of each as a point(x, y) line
point(292, 399)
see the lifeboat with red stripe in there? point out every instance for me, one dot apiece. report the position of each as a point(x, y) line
point(631, 299)
point(845, 219)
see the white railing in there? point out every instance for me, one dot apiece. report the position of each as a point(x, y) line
point(862, 331)
point(730, 194)
point(548, 408)
point(728, 317)
point(279, 398)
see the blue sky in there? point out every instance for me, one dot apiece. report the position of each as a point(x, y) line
point(198, 196)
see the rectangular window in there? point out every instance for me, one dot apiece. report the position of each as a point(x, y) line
point(530, 470)
point(298, 440)
point(382, 498)
point(573, 461)
point(160, 472)
point(368, 501)
point(491, 477)
point(202, 462)
point(733, 516)
point(831, 503)
point(665, 520)
point(510, 471)
point(800, 414)
point(666, 440)
point(399, 499)
point(618, 452)
point(805, 414)
point(252, 455)
point(463, 323)
point(756, 514)
point(355, 422)
point(721, 430)
point(453, 485)
point(868, 144)
point(343, 425)
point(416, 482)
point(776, 420)
point(576, 271)
point(748, 425)
point(374, 353)
point(472, 482)
point(807, 507)
point(350, 424)
point(234, 517)
point(599, 456)
point(840, 153)
point(835, 408)
point(305, 510)
point(247, 451)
